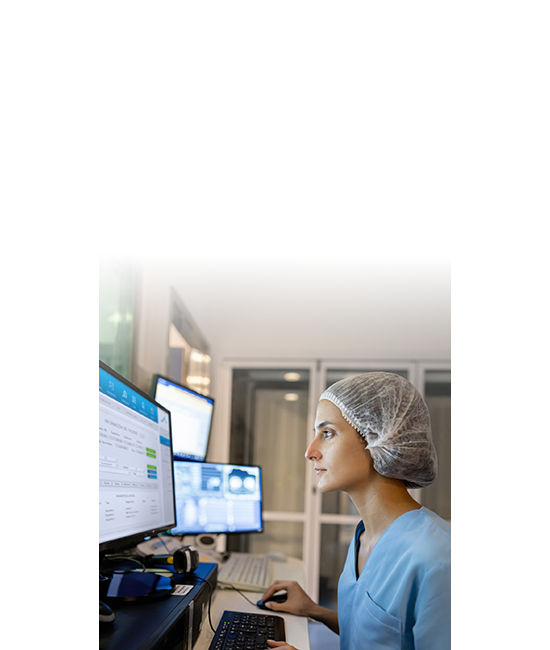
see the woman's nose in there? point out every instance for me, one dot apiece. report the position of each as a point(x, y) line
point(312, 452)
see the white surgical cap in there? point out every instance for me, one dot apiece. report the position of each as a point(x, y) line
point(390, 414)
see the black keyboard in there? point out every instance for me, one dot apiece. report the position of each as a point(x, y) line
point(243, 631)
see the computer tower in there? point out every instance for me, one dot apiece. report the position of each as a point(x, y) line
point(204, 579)
point(199, 609)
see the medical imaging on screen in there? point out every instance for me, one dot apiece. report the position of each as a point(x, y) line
point(217, 498)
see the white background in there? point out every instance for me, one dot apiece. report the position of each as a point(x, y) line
point(319, 130)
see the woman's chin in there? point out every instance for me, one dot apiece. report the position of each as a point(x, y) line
point(324, 486)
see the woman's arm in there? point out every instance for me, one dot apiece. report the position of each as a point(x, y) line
point(432, 628)
point(327, 616)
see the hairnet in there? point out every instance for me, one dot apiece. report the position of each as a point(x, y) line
point(390, 414)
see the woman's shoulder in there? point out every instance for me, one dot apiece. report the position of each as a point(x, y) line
point(435, 524)
point(431, 537)
point(426, 539)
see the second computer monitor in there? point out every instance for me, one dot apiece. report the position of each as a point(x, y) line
point(217, 498)
point(191, 417)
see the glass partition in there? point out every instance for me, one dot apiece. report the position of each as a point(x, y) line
point(117, 297)
point(335, 540)
point(437, 393)
point(283, 536)
point(269, 415)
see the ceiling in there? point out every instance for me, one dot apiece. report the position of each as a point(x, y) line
point(324, 307)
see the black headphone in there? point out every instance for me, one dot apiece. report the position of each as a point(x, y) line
point(185, 559)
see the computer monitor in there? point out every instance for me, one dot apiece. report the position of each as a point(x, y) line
point(136, 479)
point(191, 417)
point(217, 498)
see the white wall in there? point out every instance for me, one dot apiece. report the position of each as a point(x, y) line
point(327, 308)
point(285, 309)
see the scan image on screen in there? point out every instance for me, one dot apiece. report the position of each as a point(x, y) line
point(217, 498)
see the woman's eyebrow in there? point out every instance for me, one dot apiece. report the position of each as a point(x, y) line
point(322, 424)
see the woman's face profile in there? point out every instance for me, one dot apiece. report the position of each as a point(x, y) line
point(337, 451)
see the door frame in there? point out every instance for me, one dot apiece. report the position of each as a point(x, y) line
point(421, 368)
point(225, 379)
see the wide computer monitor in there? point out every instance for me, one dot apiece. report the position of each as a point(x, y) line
point(136, 480)
point(191, 417)
point(217, 498)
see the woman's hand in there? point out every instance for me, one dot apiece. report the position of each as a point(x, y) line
point(297, 601)
point(280, 644)
point(300, 604)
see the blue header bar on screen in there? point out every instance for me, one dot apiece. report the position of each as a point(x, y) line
point(114, 388)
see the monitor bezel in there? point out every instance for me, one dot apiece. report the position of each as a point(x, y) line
point(224, 532)
point(131, 540)
point(178, 384)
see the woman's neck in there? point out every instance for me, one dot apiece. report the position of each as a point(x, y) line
point(380, 503)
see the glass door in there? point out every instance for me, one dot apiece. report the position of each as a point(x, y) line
point(435, 385)
point(271, 409)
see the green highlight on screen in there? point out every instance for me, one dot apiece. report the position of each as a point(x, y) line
point(152, 467)
point(150, 452)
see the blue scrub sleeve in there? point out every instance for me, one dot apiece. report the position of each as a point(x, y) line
point(432, 628)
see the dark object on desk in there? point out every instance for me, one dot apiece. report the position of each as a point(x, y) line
point(173, 622)
point(276, 598)
point(106, 614)
point(184, 560)
point(244, 630)
point(138, 587)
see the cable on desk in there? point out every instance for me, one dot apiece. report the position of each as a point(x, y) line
point(125, 558)
point(166, 545)
point(228, 584)
point(209, 600)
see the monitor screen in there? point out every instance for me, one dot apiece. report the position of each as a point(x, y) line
point(191, 417)
point(136, 481)
point(217, 498)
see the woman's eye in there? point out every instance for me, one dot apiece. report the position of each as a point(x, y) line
point(328, 434)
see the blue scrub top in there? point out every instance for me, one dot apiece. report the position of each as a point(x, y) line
point(402, 599)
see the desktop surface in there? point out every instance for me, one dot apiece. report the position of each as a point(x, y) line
point(165, 623)
point(296, 627)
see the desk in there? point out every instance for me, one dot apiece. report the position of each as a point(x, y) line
point(296, 627)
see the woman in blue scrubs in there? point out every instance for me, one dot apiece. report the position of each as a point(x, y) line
point(373, 441)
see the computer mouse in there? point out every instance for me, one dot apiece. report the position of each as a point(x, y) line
point(277, 556)
point(106, 614)
point(276, 598)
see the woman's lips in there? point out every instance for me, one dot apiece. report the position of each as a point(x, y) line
point(318, 470)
